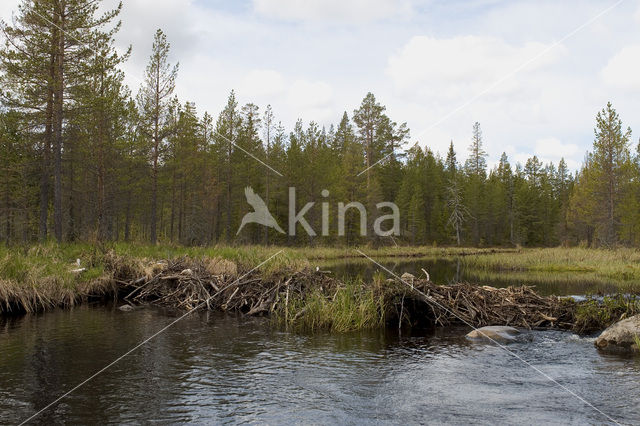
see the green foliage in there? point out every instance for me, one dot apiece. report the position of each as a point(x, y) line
point(595, 315)
point(48, 271)
point(605, 196)
point(102, 166)
point(351, 307)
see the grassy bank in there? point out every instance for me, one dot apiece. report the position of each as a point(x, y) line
point(617, 265)
point(45, 276)
point(46, 270)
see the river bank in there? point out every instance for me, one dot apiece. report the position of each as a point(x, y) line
point(297, 295)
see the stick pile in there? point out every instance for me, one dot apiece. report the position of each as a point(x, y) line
point(484, 306)
point(186, 284)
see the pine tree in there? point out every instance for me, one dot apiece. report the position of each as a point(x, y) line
point(562, 188)
point(459, 212)
point(476, 164)
point(505, 176)
point(156, 121)
point(269, 128)
point(604, 181)
point(99, 124)
point(226, 134)
point(476, 168)
point(371, 122)
point(42, 60)
point(451, 163)
point(611, 160)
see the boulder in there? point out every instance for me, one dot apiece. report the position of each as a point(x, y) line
point(621, 336)
point(498, 333)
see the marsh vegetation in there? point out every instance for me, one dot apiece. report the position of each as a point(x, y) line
point(297, 294)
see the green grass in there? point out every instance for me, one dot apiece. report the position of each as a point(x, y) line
point(593, 315)
point(44, 271)
point(46, 263)
point(354, 306)
point(616, 265)
point(32, 265)
point(41, 277)
point(51, 262)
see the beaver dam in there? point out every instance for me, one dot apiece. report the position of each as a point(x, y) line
point(307, 299)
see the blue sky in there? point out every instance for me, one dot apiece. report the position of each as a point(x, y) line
point(313, 59)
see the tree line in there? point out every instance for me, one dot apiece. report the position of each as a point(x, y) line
point(83, 158)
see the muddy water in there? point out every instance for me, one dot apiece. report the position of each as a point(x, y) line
point(215, 369)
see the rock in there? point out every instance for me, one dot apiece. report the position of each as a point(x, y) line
point(621, 336)
point(126, 308)
point(407, 277)
point(498, 333)
point(186, 272)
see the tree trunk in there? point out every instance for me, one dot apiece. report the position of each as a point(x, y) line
point(229, 175)
point(266, 229)
point(46, 158)
point(173, 205)
point(7, 204)
point(72, 231)
point(101, 163)
point(127, 222)
point(58, 101)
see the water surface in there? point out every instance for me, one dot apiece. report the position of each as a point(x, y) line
point(454, 270)
point(211, 368)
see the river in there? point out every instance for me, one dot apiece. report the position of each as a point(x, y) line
point(214, 368)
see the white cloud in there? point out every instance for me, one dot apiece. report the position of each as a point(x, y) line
point(449, 83)
point(6, 7)
point(462, 66)
point(331, 10)
point(554, 148)
point(623, 70)
point(310, 95)
point(328, 59)
point(263, 83)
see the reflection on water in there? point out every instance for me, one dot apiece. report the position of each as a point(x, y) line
point(215, 369)
point(447, 271)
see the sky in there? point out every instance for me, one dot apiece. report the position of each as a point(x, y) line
point(534, 73)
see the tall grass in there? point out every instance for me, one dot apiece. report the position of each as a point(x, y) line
point(354, 306)
point(594, 315)
point(621, 264)
point(44, 271)
point(42, 276)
